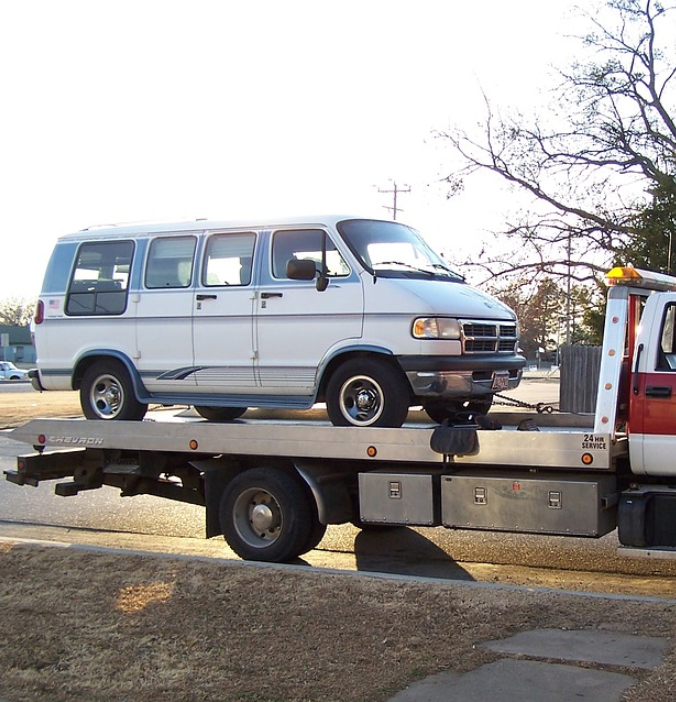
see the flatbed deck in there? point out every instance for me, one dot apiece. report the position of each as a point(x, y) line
point(557, 443)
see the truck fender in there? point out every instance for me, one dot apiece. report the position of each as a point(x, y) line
point(329, 489)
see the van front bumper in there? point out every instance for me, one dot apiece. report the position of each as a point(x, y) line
point(461, 376)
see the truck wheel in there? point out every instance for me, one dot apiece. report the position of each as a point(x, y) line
point(106, 392)
point(220, 414)
point(441, 411)
point(364, 392)
point(266, 515)
point(316, 535)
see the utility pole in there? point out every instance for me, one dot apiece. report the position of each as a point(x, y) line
point(395, 191)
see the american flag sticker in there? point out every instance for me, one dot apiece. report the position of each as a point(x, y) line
point(54, 304)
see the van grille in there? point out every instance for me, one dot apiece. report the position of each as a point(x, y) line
point(488, 337)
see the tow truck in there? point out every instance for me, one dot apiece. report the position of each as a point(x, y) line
point(272, 487)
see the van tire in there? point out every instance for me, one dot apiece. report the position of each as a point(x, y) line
point(266, 515)
point(220, 414)
point(457, 409)
point(106, 392)
point(364, 392)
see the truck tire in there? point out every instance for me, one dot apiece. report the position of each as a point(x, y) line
point(220, 414)
point(106, 392)
point(266, 515)
point(364, 392)
point(316, 535)
point(451, 410)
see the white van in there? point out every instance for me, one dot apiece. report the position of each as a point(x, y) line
point(358, 313)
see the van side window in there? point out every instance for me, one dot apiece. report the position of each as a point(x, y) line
point(99, 282)
point(228, 259)
point(667, 355)
point(305, 244)
point(170, 262)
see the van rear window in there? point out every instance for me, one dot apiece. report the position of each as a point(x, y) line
point(100, 279)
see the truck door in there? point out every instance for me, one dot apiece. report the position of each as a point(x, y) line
point(296, 324)
point(223, 321)
point(652, 418)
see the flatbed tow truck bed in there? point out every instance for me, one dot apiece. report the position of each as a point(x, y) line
point(560, 441)
point(271, 487)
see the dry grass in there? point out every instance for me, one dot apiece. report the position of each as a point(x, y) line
point(18, 407)
point(110, 628)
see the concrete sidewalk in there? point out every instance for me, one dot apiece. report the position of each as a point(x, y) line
point(548, 664)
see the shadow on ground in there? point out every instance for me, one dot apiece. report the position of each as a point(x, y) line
point(406, 552)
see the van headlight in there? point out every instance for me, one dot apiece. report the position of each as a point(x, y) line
point(436, 328)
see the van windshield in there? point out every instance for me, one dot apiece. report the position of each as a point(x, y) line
point(393, 250)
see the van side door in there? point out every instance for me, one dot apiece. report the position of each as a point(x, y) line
point(164, 315)
point(652, 417)
point(297, 326)
point(223, 309)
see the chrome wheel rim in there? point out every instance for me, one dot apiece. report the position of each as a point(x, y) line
point(361, 400)
point(257, 517)
point(106, 396)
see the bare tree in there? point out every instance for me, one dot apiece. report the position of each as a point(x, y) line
point(16, 311)
point(600, 164)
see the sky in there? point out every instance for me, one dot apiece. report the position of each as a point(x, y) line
point(163, 110)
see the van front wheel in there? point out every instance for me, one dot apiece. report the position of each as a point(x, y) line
point(107, 393)
point(364, 392)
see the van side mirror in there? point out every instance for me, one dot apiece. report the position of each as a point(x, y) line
point(306, 270)
point(301, 270)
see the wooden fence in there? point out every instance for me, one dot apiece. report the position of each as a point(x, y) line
point(580, 367)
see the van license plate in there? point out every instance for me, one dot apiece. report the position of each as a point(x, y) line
point(500, 382)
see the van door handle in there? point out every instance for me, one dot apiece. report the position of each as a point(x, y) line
point(268, 295)
point(658, 391)
point(202, 296)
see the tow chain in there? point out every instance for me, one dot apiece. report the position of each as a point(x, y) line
point(540, 407)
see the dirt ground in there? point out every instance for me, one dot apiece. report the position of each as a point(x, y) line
point(102, 627)
point(18, 407)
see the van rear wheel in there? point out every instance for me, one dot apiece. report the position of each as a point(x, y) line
point(106, 392)
point(220, 414)
point(364, 392)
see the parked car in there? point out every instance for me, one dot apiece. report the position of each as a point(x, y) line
point(8, 371)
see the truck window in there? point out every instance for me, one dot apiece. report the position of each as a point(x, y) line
point(667, 356)
point(228, 259)
point(170, 262)
point(305, 244)
point(100, 279)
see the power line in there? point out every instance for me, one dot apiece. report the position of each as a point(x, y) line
point(395, 192)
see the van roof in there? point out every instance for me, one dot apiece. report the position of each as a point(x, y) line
point(133, 228)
